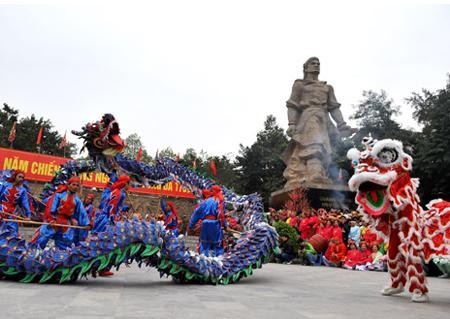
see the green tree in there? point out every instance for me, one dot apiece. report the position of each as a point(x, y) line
point(224, 166)
point(167, 152)
point(226, 174)
point(133, 144)
point(8, 116)
point(189, 157)
point(27, 130)
point(259, 167)
point(374, 116)
point(433, 149)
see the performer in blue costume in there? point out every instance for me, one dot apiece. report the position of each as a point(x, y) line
point(171, 220)
point(109, 210)
point(88, 204)
point(104, 198)
point(65, 208)
point(81, 234)
point(210, 212)
point(12, 196)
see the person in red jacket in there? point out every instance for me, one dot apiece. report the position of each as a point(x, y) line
point(327, 231)
point(335, 254)
point(337, 231)
point(313, 223)
point(320, 226)
point(304, 227)
point(353, 257)
point(371, 238)
point(366, 254)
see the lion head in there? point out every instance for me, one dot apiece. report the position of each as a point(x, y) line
point(381, 177)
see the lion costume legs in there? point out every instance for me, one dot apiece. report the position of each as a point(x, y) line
point(405, 271)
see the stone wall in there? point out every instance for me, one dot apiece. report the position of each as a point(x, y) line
point(141, 203)
point(27, 233)
point(145, 204)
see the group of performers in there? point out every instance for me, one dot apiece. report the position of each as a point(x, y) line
point(67, 220)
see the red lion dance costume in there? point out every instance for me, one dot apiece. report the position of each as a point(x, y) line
point(387, 195)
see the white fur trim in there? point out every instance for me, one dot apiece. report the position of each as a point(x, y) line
point(384, 180)
point(353, 154)
point(403, 159)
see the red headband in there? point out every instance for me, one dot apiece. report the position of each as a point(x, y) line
point(207, 193)
point(217, 192)
point(12, 178)
point(62, 188)
point(121, 182)
point(73, 179)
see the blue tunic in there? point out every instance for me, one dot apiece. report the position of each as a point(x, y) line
point(109, 210)
point(12, 197)
point(171, 220)
point(63, 237)
point(211, 235)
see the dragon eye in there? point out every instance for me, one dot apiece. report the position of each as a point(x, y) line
point(387, 155)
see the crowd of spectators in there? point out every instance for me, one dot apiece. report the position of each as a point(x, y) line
point(330, 238)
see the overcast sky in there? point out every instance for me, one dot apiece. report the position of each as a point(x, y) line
point(205, 75)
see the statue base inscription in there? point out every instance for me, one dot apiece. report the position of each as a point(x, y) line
point(320, 196)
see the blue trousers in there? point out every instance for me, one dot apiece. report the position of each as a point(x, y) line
point(101, 221)
point(211, 237)
point(314, 260)
point(62, 239)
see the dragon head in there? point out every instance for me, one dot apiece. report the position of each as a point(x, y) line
point(381, 177)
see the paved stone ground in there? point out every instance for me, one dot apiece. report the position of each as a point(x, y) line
point(275, 291)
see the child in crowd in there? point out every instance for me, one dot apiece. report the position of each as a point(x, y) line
point(366, 257)
point(353, 257)
point(335, 254)
point(311, 256)
point(354, 234)
point(286, 252)
point(337, 231)
point(378, 260)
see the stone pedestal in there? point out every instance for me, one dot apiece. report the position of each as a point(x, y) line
point(319, 195)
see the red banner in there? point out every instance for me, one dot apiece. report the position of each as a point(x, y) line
point(40, 167)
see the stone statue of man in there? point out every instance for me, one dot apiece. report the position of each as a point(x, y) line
point(311, 130)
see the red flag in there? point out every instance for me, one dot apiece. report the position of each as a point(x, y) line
point(63, 142)
point(213, 167)
point(139, 154)
point(12, 133)
point(194, 164)
point(178, 157)
point(39, 137)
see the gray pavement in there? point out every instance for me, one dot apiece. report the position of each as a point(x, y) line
point(275, 291)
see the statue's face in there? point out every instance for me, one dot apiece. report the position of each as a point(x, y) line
point(313, 66)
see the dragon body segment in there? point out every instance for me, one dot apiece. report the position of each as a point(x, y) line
point(148, 243)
